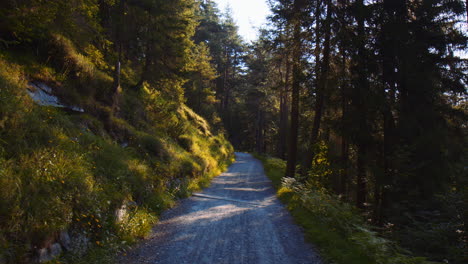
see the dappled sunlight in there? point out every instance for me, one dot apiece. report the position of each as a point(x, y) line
point(249, 189)
point(212, 214)
point(231, 174)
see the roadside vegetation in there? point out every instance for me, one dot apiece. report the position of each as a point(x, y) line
point(79, 182)
point(366, 100)
point(338, 230)
point(66, 172)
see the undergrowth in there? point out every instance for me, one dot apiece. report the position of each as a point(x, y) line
point(69, 171)
point(336, 228)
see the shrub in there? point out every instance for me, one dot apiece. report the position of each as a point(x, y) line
point(337, 228)
point(84, 81)
point(136, 224)
point(152, 145)
point(71, 171)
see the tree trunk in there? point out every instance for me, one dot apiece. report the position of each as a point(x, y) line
point(259, 137)
point(116, 83)
point(284, 110)
point(344, 171)
point(361, 191)
point(321, 83)
point(344, 105)
point(360, 98)
point(146, 68)
point(296, 86)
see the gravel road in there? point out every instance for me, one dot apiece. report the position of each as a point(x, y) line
point(238, 219)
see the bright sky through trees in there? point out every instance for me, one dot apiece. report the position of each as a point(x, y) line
point(248, 14)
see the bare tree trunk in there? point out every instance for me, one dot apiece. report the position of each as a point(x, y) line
point(343, 190)
point(296, 86)
point(321, 83)
point(360, 104)
point(146, 67)
point(344, 137)
point(116, 83)
point(361, 191)
point(284, 110)
point(388, 94)
point(259, 136)
point(344, 171)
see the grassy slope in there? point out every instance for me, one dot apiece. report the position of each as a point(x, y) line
point(71, 171)
point(334, 227)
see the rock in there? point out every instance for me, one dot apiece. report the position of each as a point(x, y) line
point(55, 250)
point(50, 253)
point(65, 240)
point(121, 214)
point(44, 255)
point(79, 244)
point(43, 95)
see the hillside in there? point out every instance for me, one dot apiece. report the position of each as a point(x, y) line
point(90, 153)
point(112, 110)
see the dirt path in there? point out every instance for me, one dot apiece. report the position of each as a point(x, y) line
point(236, 220)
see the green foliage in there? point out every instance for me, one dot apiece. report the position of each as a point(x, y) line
point(33, 20)
point(84, 82)
point(137, 224)
point(321, 170)
point(337, 228)
point(136, 143)
point(274, 169)
point(200, 90)
point(62, 171)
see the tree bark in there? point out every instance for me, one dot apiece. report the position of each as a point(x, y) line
point(284, 110)
point(321, 83)
point(116, 83)
point(343, 189)
point(361, 91)
point(296, 86)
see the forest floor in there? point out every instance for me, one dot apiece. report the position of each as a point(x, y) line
point(238, 219)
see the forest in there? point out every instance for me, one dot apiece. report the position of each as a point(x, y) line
point(358, 109)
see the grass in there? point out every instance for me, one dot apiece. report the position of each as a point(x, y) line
point(336, 228)
point(72, 171)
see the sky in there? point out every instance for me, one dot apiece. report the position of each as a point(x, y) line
point(248, 14)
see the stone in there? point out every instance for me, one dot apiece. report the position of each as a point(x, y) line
point(44, 255)
point(55, 250)
point(42, 94)
point(79, 244)
point(65, 240)
point(50, 253)
point(121, 213)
